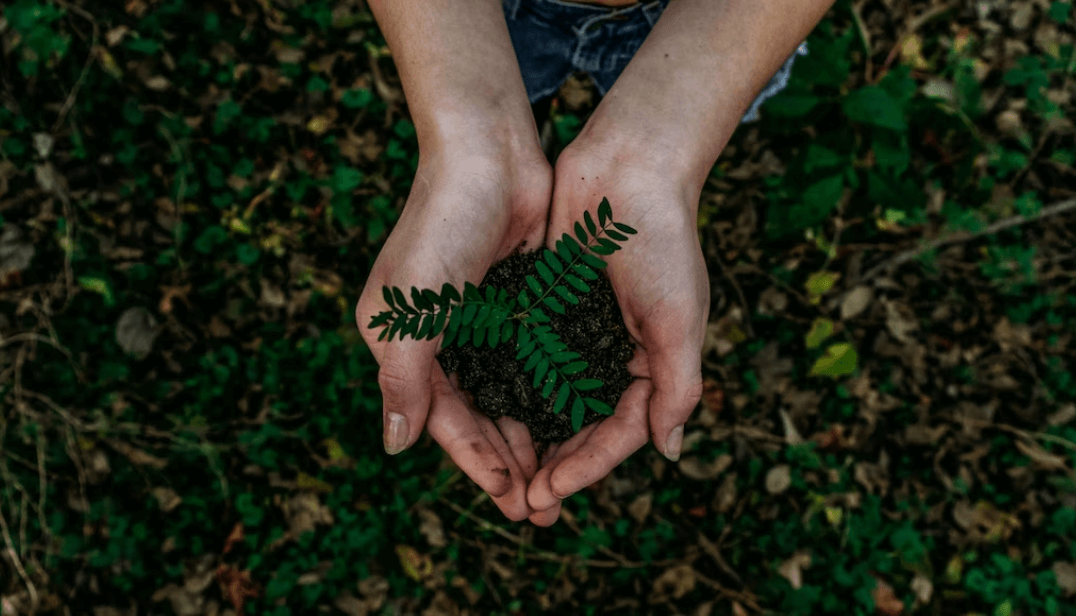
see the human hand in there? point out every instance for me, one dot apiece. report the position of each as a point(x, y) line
point(662, 286)
point(471, 204)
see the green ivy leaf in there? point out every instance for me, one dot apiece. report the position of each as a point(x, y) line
point(873, 105)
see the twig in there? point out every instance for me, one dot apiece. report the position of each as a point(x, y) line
point(965, 236)
point(70, 101)
point(739, 291)
point(913, 25)
point(181, 190)
point(865, 37)
point(17, 562)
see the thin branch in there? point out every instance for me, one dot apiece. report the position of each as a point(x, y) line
point(966, 236)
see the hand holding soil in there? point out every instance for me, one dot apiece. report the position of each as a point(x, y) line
point(661, 284)
point(464, 213)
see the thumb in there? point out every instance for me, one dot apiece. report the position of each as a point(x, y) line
point(404, 378)
point(676, 371)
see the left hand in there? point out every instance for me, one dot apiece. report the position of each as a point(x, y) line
point(663, 289)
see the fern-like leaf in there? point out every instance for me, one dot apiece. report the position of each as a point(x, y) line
point(593, 228)
point(535, 286)
point(544, 272)
point(553, 304)
point(598, 406)
point(552, 261)
point(567, 295)
point(579, 285)
point(562, 397)
point(605, 212)
point(577, 414)
point(587, 384)
point(624, 228)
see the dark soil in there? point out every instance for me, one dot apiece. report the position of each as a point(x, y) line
point(496, 382)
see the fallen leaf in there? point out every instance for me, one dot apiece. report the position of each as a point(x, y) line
point(167, 498)
point(640, 507)
point(792, 568)
point(886, 602)
point(700, 470)
point(431, 528)
point(136, 330)
point(855, 302)
point(1066, 577)
point(415, 564)
point(236, 586)
point(675, 583)
point(923, 588)
point(16, 251)
point(778, 479)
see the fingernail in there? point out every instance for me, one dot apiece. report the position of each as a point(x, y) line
point(395, 433)
point(672, 446)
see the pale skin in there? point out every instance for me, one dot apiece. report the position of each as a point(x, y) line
point(483, 188)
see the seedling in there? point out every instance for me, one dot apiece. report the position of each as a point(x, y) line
point(495, 319)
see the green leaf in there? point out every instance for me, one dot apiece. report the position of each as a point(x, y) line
point(593, 261)
point(583, 270)
point(491, 294)
point(397, 325)
point(420, 300)
point(479, 336)
point(553, 304)
point(590, 224)
point(562, 356)
point(493, 335)
point(468, 313)
point(624, 228)
point(539, 315)
point(562, 397)
point(554, 346)
point(840, 359)
point(449, 292)
point(424, 329)
point(598, 406)
point(470, 292)
point(464, 335)
point(401, 301)
point(577, 414)
point(525, 350)
point(388, 297)
point(587, 384)
point(544, 272)
point(524, 337)
point(605, 212)
point(616, 236)
point(574, 368)
point(506, 330)
point(432, 297)
point(579, 285)
point(573, 246)
point(483, 314)
point(540, 371)
point(439, 323)
point(532, 361)
point(820, 330)
point(609, 244)
point(602, 250)
point(580, 234)
point(563, 252)
point(524, 301)
point(873, 105)
point(566, 294)
point(549, 384)
point(552, 260)
point(379, 320)
point(535, 286)
point(382, 335)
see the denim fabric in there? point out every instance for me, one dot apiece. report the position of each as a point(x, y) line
point(554, 39)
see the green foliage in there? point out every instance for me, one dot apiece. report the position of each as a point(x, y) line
point(471, 318)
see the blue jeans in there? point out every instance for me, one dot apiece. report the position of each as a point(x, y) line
point(554, 39)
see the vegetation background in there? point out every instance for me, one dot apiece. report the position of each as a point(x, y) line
point(191, 195)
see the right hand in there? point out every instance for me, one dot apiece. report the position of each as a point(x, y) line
point(471, 205)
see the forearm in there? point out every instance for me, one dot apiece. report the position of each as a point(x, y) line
point(458, 69)
point(689, 84)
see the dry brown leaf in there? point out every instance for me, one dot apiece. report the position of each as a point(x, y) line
point(640, 507)
point(1063, 415)
point(778, 479)
point(792, 568)
point(236, 586)
point(304, 512)
point(136, 330)
point(167, 498)
point(431, 528)
point(1039, 456)
point(1066, 577)
point(900, 320)
point(856, 302)
point(699, 470)
point(886, 601)
point(923, 588)
point(673, 583)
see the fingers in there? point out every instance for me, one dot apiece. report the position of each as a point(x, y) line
point(456, 429)
point(404, 378)
point(595, 451)
point(676, 370)
point(520, 444)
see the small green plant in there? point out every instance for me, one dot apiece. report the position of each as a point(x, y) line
point(477, 319)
